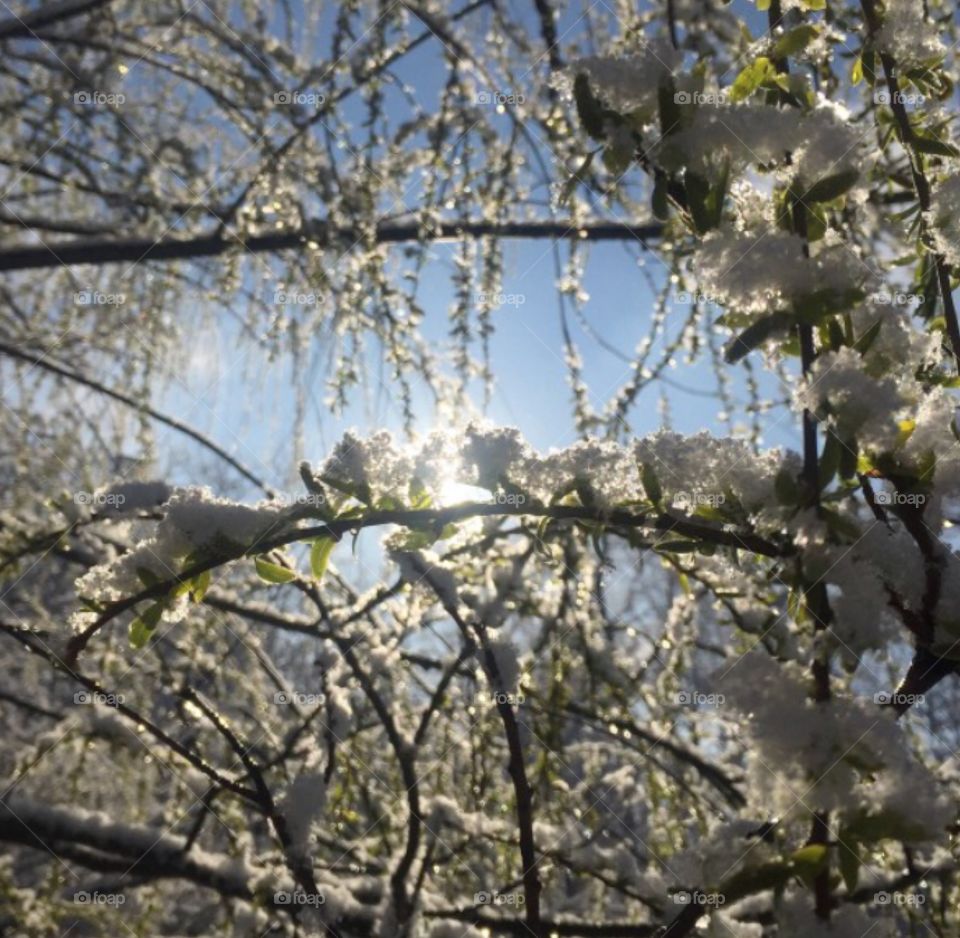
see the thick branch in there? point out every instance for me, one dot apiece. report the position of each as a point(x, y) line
point(24, 27)
point(135, 250)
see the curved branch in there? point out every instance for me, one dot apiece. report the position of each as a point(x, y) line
point(42, 361)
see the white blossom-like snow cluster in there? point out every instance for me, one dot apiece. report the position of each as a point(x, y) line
point(855, 759)
point(944, 218)
point(630, 83)
point(765, 270)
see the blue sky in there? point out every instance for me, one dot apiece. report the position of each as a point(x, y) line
point(248, 406)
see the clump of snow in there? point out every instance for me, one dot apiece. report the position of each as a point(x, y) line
point(303, 802)
point(907, 36)
point(858, 405)
point(629, 83)
point(373, 462)
point(195, 520)
point(504, 654)
point(763, 270)
point(845, 755)
point(943, 218)
point(820, 143)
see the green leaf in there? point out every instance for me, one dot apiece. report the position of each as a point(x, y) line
point(849, 459)
point(660, 202)
point(669, 109)
point(755, 879)
point(199, 586)
point(678, 547)
point(618, 155)
point(272, 572)
point(358, 490)
point(829, 460)
point(589, 108)
point(808, 862)
point(815, 4)
point(934, 146)
point(651, 484)
point(320, 552)
point(831, 187)
point(815, 307)
point(786, 488)
point(754, 336)
point(142, 627)
point(887, 825)
point(698, 190)
point(147, 577)
point(856, 74)
point(751, 78)
point(868, 338)
point(840, 526)
point(794, 41)
point(849, 861)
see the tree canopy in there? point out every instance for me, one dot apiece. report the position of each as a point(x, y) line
point(300, 637)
